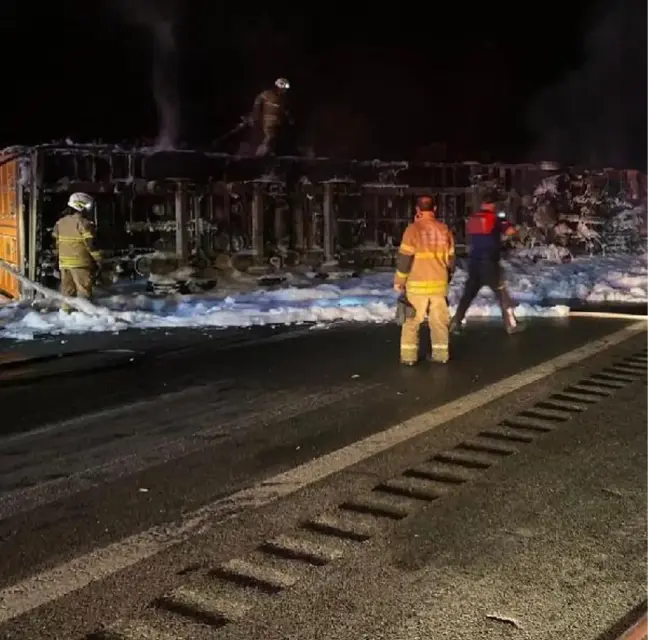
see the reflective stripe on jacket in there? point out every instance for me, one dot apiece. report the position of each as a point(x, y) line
point(425, 257)
point(75, 241)
point(269, 109)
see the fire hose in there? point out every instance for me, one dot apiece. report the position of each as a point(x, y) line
point(80, 304)
point(230, 133)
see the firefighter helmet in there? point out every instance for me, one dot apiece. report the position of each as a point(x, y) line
point(282, 83)
point(81, 202)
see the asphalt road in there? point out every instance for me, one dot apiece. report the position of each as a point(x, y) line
point(549, 544)
point(129, 432)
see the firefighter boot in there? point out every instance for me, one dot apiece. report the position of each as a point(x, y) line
point(510, 322)
point(456, 326)
point(438, 359)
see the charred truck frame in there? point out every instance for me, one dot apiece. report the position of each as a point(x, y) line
point(254, 213)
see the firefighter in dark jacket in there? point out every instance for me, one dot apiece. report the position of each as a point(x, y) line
point(424, 266)
point(78, 257)
point(270, 115)
point(485, 230)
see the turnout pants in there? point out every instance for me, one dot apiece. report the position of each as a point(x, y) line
point(436, 308)
point(486, 273)
point(276, 140)
point(76, 282)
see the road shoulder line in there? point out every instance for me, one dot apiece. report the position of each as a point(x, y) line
point(82, 571)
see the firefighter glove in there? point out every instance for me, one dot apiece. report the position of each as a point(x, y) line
point(404, 310)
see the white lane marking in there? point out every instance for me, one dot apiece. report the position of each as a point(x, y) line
point(112, 412)
point(608, 314)
point(157, 400)
point(115, 459)
point(78, 573)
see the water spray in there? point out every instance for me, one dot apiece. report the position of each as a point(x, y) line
point(79, 304)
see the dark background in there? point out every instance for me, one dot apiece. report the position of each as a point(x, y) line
point(500, 81)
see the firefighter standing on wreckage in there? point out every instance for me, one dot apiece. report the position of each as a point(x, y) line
point(78, 257)
point(270, 115)
point(424, 267)
point(485, 230)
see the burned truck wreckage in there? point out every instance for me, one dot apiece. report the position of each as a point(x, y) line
point(187, 219)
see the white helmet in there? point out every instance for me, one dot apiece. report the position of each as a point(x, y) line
point(81, 202)
point(282, 83)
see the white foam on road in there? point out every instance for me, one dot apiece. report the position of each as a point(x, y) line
point(82, 571)
point(367, 299)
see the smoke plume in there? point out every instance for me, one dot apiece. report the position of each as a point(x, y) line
point(596, 116)
point(158, 20)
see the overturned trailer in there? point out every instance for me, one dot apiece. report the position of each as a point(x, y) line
point(222, 210)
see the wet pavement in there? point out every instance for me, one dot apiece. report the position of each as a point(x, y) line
point(135, 365)
point(191, 417)
point(548, 543)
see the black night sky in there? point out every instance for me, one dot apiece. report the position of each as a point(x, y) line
point(505, 81)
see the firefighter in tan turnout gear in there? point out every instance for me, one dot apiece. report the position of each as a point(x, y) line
point(78, 258)
point(424, 266)
point(270, 114)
